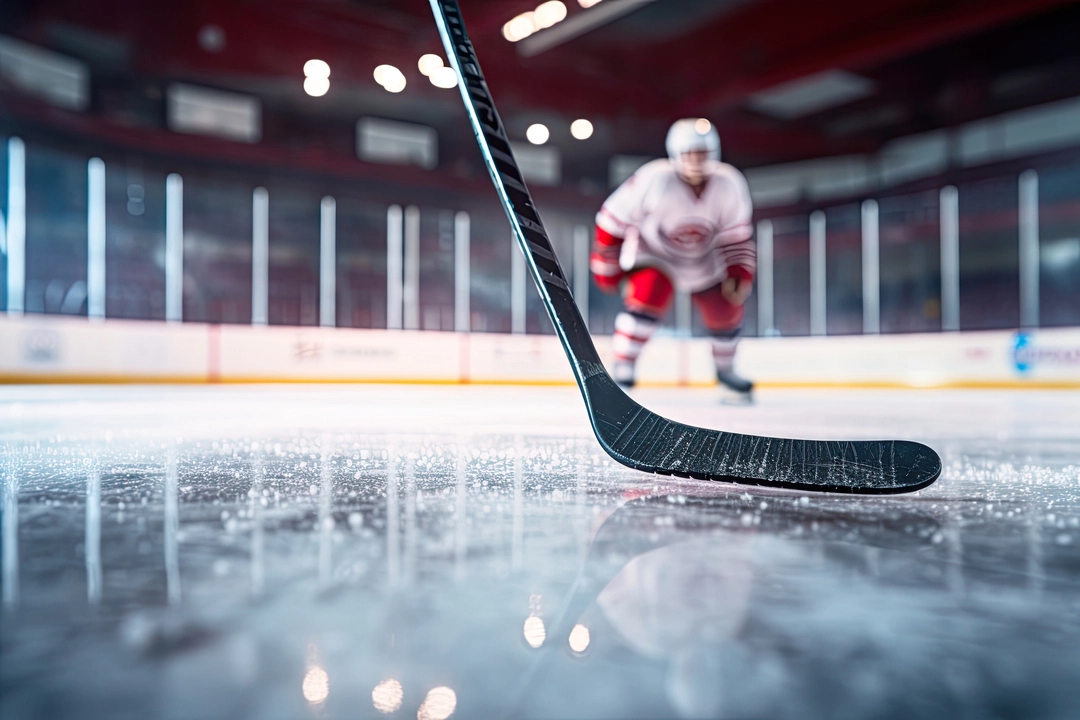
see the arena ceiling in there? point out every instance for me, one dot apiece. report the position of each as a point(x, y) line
point(907, 66)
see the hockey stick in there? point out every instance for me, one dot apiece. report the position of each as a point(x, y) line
point(628, 432)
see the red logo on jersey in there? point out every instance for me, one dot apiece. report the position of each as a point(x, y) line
point(688, 236)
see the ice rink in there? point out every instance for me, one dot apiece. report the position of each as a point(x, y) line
point(436, 551)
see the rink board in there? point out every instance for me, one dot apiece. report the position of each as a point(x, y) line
point(40, 348)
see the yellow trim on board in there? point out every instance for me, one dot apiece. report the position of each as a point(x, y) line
point(389, 381)
point(952, 385)
point(40, 379)
point(106, 379)
point(885, 385)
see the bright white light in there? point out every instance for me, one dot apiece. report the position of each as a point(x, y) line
point(444, 77)
point(520, 27)
point(428, 64)
point(549, 13)
point(702, 126)
point(537, 134)
point(534, 631)
point(588, 3)
point(388, 75)
point(390, 78)
point(211, 38)
point(316, 86)
point(1060, 254)
point(316, 68)
point(579, 638)
point(316, 685)
point(438, 705)
point(581, 129)
point(387, 695)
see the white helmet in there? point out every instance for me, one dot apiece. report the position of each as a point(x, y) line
point(691, 134)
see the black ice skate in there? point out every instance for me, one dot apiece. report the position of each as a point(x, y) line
point(739, 390)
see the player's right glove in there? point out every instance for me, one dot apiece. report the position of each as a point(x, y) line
point(737, 285)
point(604, 261)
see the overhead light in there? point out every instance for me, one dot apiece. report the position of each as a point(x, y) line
point(549, 13)
point(316, 86)
point(316, 68)
point(520, 27)
point(317, 78)
point(429, 63)
point(702, 126)
point(537, 134)
point(581, 129)
point(444, 77)
point(545, 15)
point(588, 3)
point(392, 79)
point(384, 73)
point(211, 38)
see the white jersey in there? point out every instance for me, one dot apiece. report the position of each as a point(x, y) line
point(665, 225)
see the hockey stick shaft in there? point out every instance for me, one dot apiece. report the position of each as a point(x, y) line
point(631, 434)
point(525, 221)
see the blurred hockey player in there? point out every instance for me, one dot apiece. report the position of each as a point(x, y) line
point(679, 223)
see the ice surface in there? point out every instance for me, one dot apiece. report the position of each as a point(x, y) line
point(345, 552)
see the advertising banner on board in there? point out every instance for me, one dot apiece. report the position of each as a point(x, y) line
point(44, 348)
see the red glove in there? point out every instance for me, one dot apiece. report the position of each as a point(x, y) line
point(604, 261)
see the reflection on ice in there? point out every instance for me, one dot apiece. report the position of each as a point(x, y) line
point(258, 535)
point(519, 508)
point(326, 520)
point(10, 519)
point(172, 526)
point(534, 631)
point(393, 520)
point(461, 530)
point(410, 539)
point(93, 536)
point(680, 594)
point(387, 695)
point(1034, 550)
point(316, 685)
point(438, 705)
point(579, 638)
point(405, 554)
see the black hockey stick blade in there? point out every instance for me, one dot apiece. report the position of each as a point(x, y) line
point(628, 432)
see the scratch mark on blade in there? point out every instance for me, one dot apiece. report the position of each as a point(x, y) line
point(628, 425)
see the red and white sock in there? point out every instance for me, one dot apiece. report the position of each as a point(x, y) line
point(632, 331)
point(723, 352)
